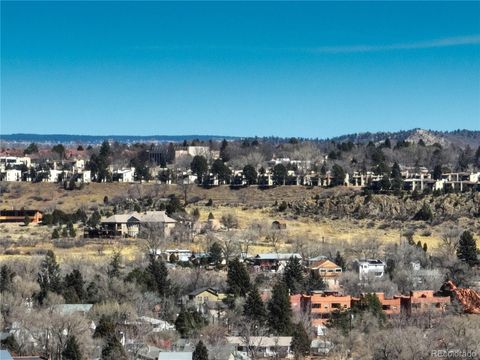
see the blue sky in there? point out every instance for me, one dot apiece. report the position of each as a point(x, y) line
point(287, 69)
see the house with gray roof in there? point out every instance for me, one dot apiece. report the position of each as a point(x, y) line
point(129, 225)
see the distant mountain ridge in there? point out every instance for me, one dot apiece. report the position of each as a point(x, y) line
point(460, 138)
point(93, 139)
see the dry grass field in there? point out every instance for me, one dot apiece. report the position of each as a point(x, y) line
point(47, 196)
point(250, 206)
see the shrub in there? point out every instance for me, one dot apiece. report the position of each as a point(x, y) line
point(283, 206)
point(424, 214)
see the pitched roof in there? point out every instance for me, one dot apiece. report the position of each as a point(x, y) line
point(146, 217)
point(156, 216)
point(200, 290)
point(120, 218)
point(371, 261)
point(326, 264)
point(261, 340)
point(317, 258)
point(279, 256)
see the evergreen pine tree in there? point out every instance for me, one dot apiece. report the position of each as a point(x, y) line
point(437, 172)
point(339, 260)
point(425, 213)
point(72, 349)
point(10, 343)
point(250, 174)
point(188, 321)
point(73, 290)
point(114, 266)
point(371, 303)
point(396, 173)
point(55, 234)
point(158, 277)
point(238, 279)
point(105, 328)
point(6, 278)
point(338, 175)
point(215, 253)
point(183, 323)
point(113, 349)
point(71, 230)
point(91, 293)
point(467, 249)
point(94, 219)
point(49, 276)
point(300, 342)
point(64, 232)
point(293, 276)
point(279, 311)
point(397, 180)
point(254, 309)
point(201, 352)
point(314, 282)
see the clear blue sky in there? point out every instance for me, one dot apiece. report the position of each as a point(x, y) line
point(286, 69)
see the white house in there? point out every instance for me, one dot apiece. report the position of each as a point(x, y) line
point(369, 267)
point(79, 165)
point(14, 161)
point(124, 175)
point(183, 255)
point(86, 176)
point(13, 175)
point(54, 175)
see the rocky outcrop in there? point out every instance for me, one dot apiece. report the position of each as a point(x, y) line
point(381, 206)
point(469, 298)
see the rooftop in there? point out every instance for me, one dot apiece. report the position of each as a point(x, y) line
point(261, 341)
point(279, 256)
point(146, 217)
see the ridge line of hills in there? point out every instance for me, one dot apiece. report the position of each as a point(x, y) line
point(461, 137)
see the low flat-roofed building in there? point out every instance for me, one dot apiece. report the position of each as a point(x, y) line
point(423, 301)
point(321, 306)
point(6, 216)
point(390, 305)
